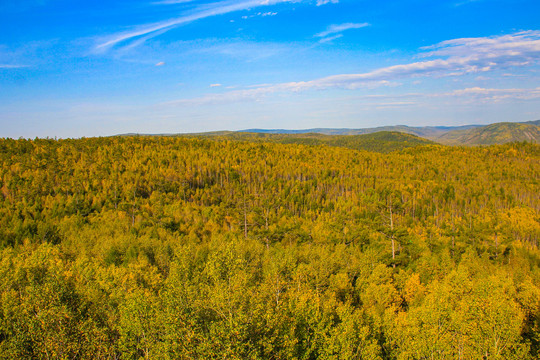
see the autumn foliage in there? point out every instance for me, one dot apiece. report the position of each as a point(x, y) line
point(187, 248)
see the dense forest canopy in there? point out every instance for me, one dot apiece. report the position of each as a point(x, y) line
point(190, 248)
point(382, 141)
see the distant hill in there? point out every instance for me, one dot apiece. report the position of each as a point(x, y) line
point(498, 133)
point(535, 122)
point(382, 141)
point(424, 131)
point(386, 138)
point(209, 133)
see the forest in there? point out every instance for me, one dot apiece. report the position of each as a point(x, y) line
point(149, 247)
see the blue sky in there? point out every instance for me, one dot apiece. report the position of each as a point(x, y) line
point(72, 68)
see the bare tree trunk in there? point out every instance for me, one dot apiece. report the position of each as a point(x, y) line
point(392, 237)
point(245, 217)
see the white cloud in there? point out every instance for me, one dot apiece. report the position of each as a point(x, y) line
point(225, 98)
point(261, 14)
point(215, 85)
point(324, 2)
point(257, 93)
point(330, 38)
point(459, 56)
point(171, 2)
point(12, 66)
point(26, 55)
point(161, 63)
point(200, 12)
point(472, 95)
point(495, 95)
point(460, 3)
point(243, 50)
point(339, 28)
point(512, 45)
point(456, 57)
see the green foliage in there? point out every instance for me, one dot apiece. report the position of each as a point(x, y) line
point(192, 248)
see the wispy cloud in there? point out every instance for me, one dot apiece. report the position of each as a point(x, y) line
point(335, 31)
point(171, 2)
point(324, 2)
point(247, 51)
point(453, 57)
point(257, 93)
point(226, 97)
point(523, 42)
point(200, 12)
point(26, 55)
point(472, 95)
point(475, 94)
point(12, 66)
point(465, 2)
point(261, 14)
point(331, 38)
point(339, 28)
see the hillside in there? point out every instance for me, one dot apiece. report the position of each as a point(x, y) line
point(424, 131)
point(383, 141)
point(499, 133)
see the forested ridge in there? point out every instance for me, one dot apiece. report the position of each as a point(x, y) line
point(498, 133)
point(191, 248)
point(382, 141)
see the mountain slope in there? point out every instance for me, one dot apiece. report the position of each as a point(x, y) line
point(424, 131)
point(498, 133)
point(382, 141)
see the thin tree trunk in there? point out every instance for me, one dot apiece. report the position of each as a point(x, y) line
point(245, 217)
point(392, 231)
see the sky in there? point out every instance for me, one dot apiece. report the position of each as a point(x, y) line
point(73, 68)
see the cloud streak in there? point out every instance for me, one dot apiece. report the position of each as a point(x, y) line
point(331, 38)
point(171, 2)
point(335, 31)
point(200, 12)
point(339, 28)
point(450, 58)
point(495, 95)
point(12, 66)
point(257, 93)
point(472, 95)
point(324, 2)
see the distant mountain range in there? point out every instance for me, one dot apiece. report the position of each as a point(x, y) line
point(386, 138)
point(425, 132)
point(497, 133)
